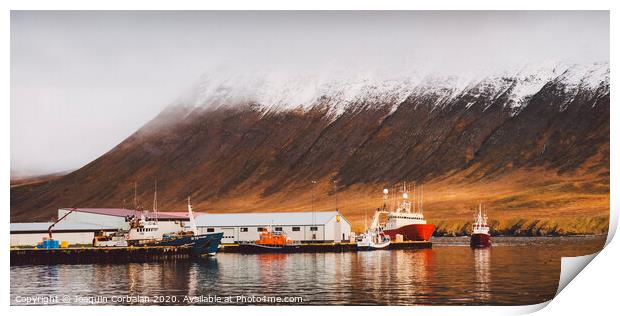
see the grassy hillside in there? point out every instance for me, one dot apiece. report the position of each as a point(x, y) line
point(531, 203)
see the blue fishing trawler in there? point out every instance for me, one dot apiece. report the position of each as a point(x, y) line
point(145, 232)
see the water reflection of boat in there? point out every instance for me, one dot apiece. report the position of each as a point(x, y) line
point(480, 236)
point(270, 241)
point(373, 275)
point(482, 267)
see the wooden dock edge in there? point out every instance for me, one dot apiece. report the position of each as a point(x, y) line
point(338, 247)
point(98, 255)
point(85, 255)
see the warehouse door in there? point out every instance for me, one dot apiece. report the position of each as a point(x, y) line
point(338, 232)
point(229, 235)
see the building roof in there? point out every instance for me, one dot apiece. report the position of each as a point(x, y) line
point(264, 219)
point(122, 212)
point(61, 226)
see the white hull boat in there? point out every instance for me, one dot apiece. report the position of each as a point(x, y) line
point(374, 237)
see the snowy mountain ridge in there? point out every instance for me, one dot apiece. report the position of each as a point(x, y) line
point(273, 92)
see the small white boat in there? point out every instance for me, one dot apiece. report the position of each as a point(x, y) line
point(371, 240)
point(374, 237)
point(114, 240)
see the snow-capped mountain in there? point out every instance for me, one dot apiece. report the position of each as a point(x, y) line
point(263, 135)
point(274, 93)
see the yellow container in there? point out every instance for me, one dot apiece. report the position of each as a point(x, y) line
point(64, 244)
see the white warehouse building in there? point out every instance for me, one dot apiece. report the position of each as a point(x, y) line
point(81, 225)
point(298, 226)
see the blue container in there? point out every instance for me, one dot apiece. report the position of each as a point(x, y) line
point(49, 244)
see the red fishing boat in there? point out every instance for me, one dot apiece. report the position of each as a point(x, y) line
point(480, 236)
point(406, 219)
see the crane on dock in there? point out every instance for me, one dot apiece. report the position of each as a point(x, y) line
point(50, 243)
point(49, 229)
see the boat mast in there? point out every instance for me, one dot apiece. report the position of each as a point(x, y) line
point(192, 221)
point(336, 193)
point(313, 214)
point(415, 198)
point(479, 217)
point(375, 221)
point(155, 203)
point(421, 198)
point(406, 205)
point(135, 196)
point(385, 198)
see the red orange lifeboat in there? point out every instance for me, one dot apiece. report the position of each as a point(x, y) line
point(271, 238)
point(270, 241)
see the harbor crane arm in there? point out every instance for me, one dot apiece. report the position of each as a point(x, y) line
point(49, 230)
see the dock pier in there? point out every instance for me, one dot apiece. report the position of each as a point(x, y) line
point(21, 256)
point(84, 255)
point(339, 247)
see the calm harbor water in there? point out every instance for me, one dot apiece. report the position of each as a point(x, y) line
point(515, 271)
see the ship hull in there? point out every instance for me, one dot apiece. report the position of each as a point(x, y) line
point(480, 241)
point(413, 232)
point(256, 248)
point(206, 244)
point(367, 247)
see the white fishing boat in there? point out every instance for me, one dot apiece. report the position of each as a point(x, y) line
point(404, 217)
point(143, 231)
point(374, 237)
point(480, 237)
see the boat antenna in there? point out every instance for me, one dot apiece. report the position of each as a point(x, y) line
point(394, 200)
point(415, 198)
point(385, 198)
point(415, 203)
point(155, 202)
point(336, 193)
point(313, 213)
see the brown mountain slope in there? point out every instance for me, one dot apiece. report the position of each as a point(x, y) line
point(544, 169)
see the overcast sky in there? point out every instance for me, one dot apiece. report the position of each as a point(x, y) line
point(83, 81)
